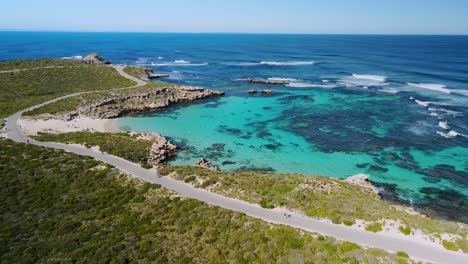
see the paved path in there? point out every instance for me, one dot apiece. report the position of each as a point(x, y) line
point(421, 251)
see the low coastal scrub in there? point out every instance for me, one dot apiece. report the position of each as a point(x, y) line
point(22, 89)
point(36, 63)
point(122, 145)
point(137, 72)
point(375, 227)
point(61, 207)
point(320, 197)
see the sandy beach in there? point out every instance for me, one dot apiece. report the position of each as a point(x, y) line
point(34, 126)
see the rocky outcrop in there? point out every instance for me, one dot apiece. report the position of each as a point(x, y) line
point(141, 100)
point(266, 81)
point(362, 180)
point(268, 92)
point(252, 91)
point(203, 163)
point(161, 150)
point(94, 58)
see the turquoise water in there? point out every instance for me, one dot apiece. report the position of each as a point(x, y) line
point(393, 107)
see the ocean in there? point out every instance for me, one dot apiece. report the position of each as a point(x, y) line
point(393, 107)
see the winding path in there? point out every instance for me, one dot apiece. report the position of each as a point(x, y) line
point(418, 250)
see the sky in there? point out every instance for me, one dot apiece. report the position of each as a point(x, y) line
point(239, 16)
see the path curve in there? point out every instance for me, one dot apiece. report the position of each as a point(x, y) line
point(420, 251)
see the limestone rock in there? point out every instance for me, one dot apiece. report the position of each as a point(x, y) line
point(362, 180)
point(203, 163)
point(161, 150)
point(141, 100)
point(252, 91)
point(268, 92)
point(94, 58)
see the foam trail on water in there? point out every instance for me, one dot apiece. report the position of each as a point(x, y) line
point(450, 134)
point(287, 63)
point(77, 57)
point(309, 85)
point(377, 78)
point(279, 79)
point(360, 80)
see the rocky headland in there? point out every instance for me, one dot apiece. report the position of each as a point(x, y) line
point(141, 100)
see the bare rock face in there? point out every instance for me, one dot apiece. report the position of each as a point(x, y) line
point(94, 58)
point(161, 150)
point(142, 100)
point(362, 180)
point(203, 163)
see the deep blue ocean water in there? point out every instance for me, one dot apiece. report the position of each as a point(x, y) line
point(393, 107)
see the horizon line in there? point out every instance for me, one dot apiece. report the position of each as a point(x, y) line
point(227, 33)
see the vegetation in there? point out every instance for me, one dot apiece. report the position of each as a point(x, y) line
point(123, 145)
point(405, 230)
point(375, 227)
point(22, 89)
point(36, 63)
point(61, 207)
point(402, 254)
point(74, 103)
point(450, 245)
point(137, 72)
point(320, 197)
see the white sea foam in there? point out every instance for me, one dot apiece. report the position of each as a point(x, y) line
point(365, 81)
point(325, 81)
point(377, 78)
point(287, 63)
point(77, 57)
point(178, 63)
point(445, 111)
point(450, 134)
point(309, 85)
point(432, 86)
point(182, 62)
point(422, 103)
point(160, 58)
point(390, 90)
point(444, 125)
point(279, 79)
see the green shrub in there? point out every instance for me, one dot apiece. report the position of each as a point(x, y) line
point(190, 179)
point(450, 245)
point(405, 230)
point(375, 227)
point(348, 223)
point(402, 254)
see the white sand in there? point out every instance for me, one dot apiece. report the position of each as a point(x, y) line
point(34, 126)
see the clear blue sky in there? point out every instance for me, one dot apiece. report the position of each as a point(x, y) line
point(265, 16)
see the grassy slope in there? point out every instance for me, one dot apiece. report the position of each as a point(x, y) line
point(118, 144)
point(137, 72)
point(36, 63)
point(321, 197)
point(60, 207)
point(22, 89)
